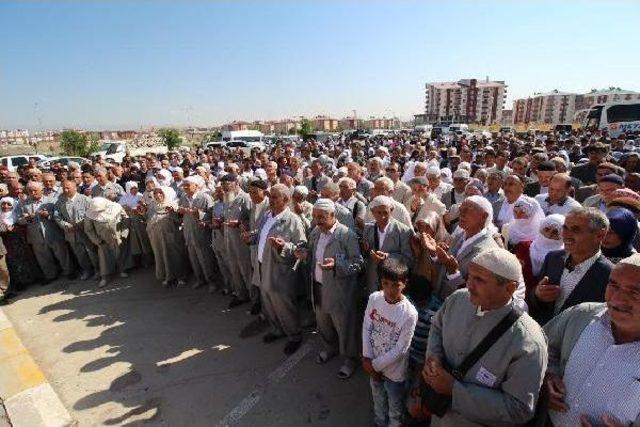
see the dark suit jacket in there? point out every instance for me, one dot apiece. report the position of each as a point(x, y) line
point(589, 289)
point(532, 189)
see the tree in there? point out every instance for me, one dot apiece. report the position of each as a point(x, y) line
point(170, 137)
point(74, 143)
point(306, 127)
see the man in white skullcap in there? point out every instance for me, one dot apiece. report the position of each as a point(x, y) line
point(300, 206)
point(335, 263)
point(474, 234)
point(594, 355)
point(461, 178)
point(195, 207)
point(383, 238)
point(237, 205)
point(501, 388)
point(437, 186)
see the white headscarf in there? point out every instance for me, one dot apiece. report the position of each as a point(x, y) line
point(103, 210)
point(526, 229)
point(486, 206)
point(129, 200)
point(542, 245)
point(167, 177)
point(9, 218)
point(445, 175)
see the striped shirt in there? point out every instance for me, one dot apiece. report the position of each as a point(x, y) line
point(601, 377)
point(418, 346)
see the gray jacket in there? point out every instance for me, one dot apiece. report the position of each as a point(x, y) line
point(396, 244)
point(276, 271)
point(448, 286)
point(40, 230)
point(69, 215)
point(501, 389)
point(339, 286)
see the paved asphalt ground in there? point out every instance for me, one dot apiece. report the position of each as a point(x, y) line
point(135, 353)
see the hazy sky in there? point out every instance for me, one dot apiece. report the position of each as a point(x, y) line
point(128, 64)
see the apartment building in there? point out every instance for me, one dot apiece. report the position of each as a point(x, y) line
point(325, 124)
point(554, 107)
point(465, 101)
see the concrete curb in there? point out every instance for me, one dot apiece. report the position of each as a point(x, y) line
point(29, 400)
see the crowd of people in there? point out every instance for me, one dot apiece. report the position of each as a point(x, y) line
point(476, 281)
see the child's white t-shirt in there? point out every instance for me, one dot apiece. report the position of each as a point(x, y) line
point(387, 331)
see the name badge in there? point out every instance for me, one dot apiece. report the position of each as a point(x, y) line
point(485, 377)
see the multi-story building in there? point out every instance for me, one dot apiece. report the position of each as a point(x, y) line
point(236, 125)
point(555, 107)
point(558, 107)
point(613, 94)
point(383, 123)
point(465, 101)
point(325, 124)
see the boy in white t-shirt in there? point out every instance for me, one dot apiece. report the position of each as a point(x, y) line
point(389, 322)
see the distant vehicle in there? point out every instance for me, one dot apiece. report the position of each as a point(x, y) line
point(424, 128)
point(242, 135)
point(63, 160)
point(214, 144)
point(436, 131)
point(506, 130)
point(615, 117)
point(245, 146)
point(117, 150)
point(14, 162)
point(564, 129)
point(459, 129)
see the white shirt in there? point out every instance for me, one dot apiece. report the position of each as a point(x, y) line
point(349, 204)
point(323, 241)
point(601, 377)
point(381, 235)
point(387, 331)
point(271, 220)
point(506, 211)
point(570, 279)
point(563, 208)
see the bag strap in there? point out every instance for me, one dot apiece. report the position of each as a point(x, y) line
point(486, 343)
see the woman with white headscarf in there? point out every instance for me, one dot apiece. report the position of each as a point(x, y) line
point(150, 184)
point(106, 226)
point(138, 247)
point(165, 236)
point(525, 225)
point(21, 263)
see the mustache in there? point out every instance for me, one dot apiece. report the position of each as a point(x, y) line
point(621, 308)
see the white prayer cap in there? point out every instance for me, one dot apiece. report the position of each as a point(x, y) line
point(633, 260)
point(176, 169)
point(301, 189)
point(129, 185)
point(326, 205)
point(500, 261)
point(483, 204)
point(461, 173)
point(194, 179)
point(260, 173)
point(465, 165)
point(433, 171)
point(381, 201)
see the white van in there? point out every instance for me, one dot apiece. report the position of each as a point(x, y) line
point(242, 135)
point(615, 117)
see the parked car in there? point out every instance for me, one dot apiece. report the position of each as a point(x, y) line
point(14, 162)
point(245, 146)
point(63, 160)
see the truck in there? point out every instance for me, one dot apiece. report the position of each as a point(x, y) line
point(116, 150)
point(614, 117)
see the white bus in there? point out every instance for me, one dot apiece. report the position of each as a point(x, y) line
point(615, 117)
point(242, 135)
